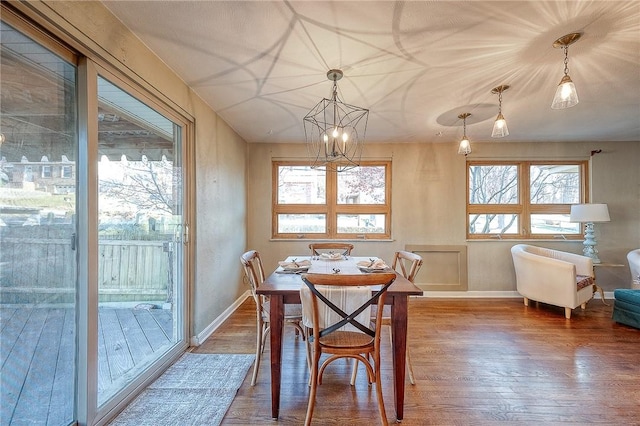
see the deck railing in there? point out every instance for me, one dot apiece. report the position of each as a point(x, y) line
point(37, 265)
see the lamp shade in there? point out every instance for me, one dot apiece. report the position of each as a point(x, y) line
point(589, 213)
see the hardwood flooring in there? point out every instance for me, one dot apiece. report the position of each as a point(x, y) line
point(476, 362)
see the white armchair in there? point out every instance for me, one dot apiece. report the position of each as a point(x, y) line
point(634, 266)
point(552, 276)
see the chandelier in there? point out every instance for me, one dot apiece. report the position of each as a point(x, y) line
point(334, 131)
point(566, 95)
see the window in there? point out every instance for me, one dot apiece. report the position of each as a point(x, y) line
point(312, 203)
point(46, 171)
point(66, 172)
point(524, 199)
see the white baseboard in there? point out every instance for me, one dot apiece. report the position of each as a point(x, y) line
point(198, 339)
point(487, 294)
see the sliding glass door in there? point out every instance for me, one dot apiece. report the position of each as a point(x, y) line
point(93, 234)
point(140, 236)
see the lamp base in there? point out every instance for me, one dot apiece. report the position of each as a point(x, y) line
point(590, 249)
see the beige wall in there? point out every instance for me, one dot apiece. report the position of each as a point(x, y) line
point(219, 231)
point(428, 204)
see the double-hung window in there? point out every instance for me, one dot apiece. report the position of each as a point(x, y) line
point(524, 199)
point(312, 203)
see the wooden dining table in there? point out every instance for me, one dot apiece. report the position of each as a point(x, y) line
point(284, 288)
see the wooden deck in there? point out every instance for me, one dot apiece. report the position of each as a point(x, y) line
point(37, 351)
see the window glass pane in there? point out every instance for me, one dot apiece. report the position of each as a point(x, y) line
point(46, 171)
point(493, 184)
point(555, 184)
point(493, 224)
point(140, 245)
point(553, 224)
point(301, 185)
point(362, 185)
point(38, 270)
point(361, 223)
point(302, 224)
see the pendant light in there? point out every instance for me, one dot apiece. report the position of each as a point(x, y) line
point(566, 95)
point(465, 146)
point(500, 128)
point(335, 131)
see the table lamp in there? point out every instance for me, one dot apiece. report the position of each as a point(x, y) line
point(588, 214)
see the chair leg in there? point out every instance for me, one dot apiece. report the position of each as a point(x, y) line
point(567, 313)
point(412, 380)
point(381, 410)
point(314, 388)
point(354, 372)
point(259, 348)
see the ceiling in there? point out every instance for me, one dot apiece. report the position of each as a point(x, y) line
point(416, 65)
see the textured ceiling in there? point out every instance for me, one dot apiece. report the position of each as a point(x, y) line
point(416, 65)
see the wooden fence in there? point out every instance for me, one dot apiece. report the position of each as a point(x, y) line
point(38, 265)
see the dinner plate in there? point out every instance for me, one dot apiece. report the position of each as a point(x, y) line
point(371, 270)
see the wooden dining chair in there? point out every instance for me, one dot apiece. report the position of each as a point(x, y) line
point(254, 276)
point(407, 264)
point(337, 308)
point(318, 248)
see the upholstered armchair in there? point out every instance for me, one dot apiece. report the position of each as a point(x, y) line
point(552, 276)
point(634, 266)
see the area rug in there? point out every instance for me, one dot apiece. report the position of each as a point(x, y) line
point(197, 390)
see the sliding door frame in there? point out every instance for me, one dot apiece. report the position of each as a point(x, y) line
point(52, 31)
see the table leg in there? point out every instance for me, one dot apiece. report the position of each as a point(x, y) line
point(276, 318)
point(399, 330)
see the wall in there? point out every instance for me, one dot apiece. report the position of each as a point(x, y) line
point(429, 199)
point(219, 231)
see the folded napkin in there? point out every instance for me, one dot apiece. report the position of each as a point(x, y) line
point(372, 264)
point(331, 256)
point(295, 264)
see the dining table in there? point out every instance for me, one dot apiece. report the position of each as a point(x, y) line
point(282, 287)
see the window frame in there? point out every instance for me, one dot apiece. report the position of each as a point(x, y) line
point(524, 208)
point(331, 208)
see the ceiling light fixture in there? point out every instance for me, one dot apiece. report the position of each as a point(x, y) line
point(334, 131)
point(465, 146)
point(500, 128)
point(566, 95)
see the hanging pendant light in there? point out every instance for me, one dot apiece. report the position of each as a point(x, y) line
point(465, 146)
point(335, 131)
point(566, 95)
point(500, 128)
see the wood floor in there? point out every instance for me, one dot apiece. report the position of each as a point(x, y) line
point(476, 362)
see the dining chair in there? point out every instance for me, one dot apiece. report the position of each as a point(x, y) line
point(337, 308)
point(407, 264)
point(254, 276)
point(318, 248)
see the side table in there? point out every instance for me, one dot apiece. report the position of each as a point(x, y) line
point(596, 287)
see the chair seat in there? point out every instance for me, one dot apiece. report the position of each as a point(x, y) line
point(290, 311)
point(344, 339)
